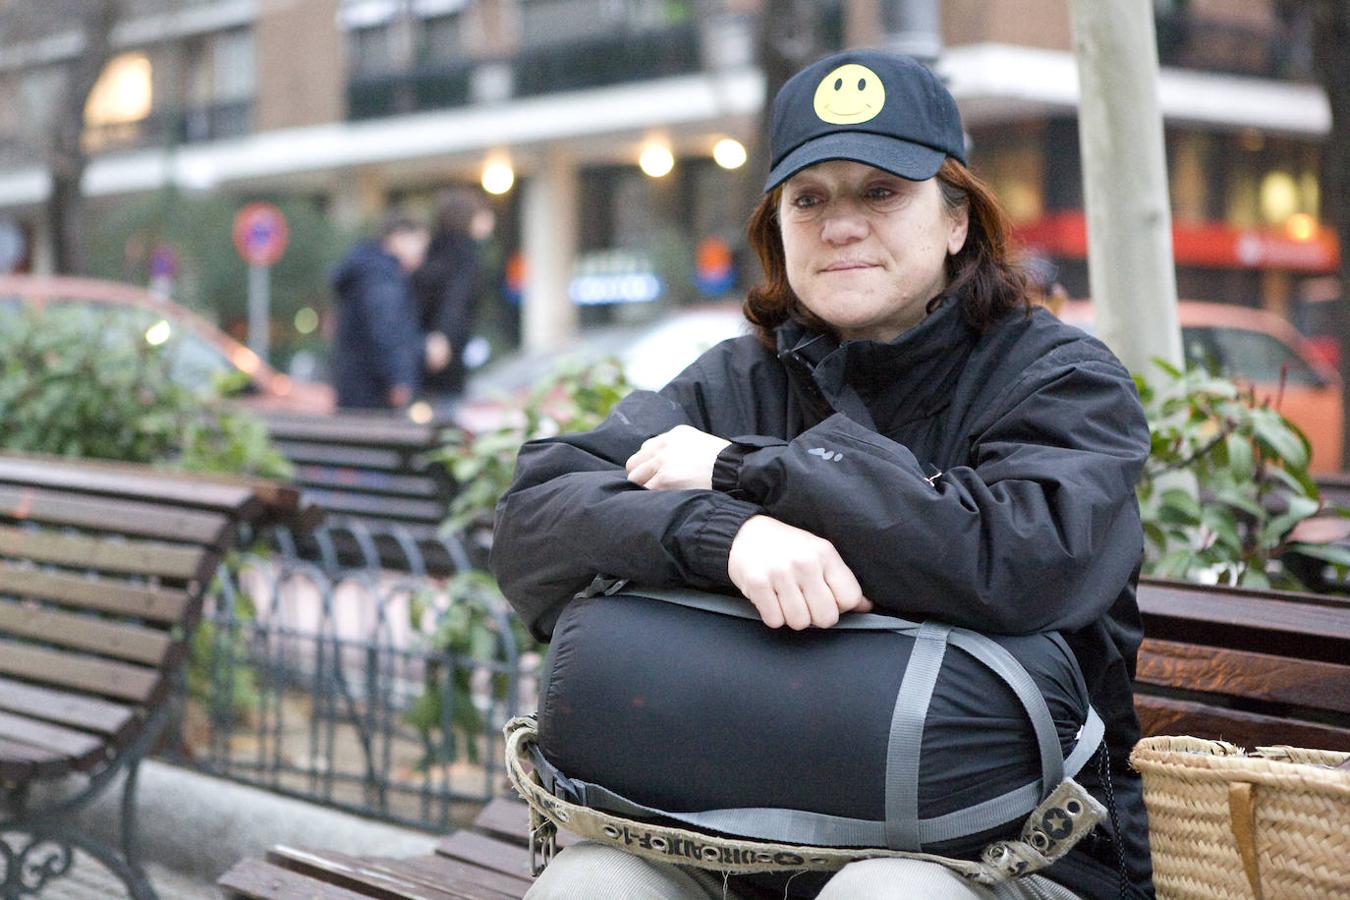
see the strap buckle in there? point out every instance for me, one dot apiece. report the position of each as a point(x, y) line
point(543, 842)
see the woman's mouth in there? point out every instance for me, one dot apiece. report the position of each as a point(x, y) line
point(849, 265)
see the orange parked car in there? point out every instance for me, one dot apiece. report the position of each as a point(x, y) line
point(204, 351)
point(1255, 347)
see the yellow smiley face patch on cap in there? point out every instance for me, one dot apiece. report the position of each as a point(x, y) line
point(849, 95)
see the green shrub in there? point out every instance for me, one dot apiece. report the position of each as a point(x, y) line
point(1225, 484)
point(467, 633)
point(75, 383)
point(576, 399)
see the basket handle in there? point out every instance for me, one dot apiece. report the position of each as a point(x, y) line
point(1242, 820)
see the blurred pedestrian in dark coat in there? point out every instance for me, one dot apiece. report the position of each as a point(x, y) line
point(447, 287)
point(378, 347)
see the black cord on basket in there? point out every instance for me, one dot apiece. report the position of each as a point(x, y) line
point(1104, 774)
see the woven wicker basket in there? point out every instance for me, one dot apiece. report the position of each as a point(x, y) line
point(1271, 826)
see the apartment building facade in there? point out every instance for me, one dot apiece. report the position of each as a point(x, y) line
point(360, 104)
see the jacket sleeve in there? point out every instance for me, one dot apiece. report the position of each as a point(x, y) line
point(1040, 532)
point(571, 514)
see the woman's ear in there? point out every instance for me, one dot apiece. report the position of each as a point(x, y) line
point(960, 224)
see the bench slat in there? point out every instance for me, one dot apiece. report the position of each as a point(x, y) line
point(87, 713)
point(115, 516)
point(83, 632)
point(377, 431)
point(155, 604)
point(1303, 626)
point(487, 852)
point(1258, 676)
point(257, 880)
point(86, 552)
point(67, 742)
point(351, 873)
point(345, 478)
point(118, 480)
point(463, 880)
point(334, 455)
point(22, 757)
point(70, 670)
point(421, 532)
point(1165, 715)
point(376, 505)
point(419, 878)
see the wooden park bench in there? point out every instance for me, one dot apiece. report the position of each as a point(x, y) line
point(489, 861)
point(1254, 668)
point(384, 499)
point(103, 568)
point(1250, 667)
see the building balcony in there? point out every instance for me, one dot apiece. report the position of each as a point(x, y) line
point(543, 69)
point(168, 127)
point(1232, 48)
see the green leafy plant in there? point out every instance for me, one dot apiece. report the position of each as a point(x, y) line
point(74, 383)
point(234, 691)
point(1226, 483)
point(468, 637)
point(576, 399)
point(468, 634)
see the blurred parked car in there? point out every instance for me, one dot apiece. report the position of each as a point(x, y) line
point(203, 351)
point(1258, 348)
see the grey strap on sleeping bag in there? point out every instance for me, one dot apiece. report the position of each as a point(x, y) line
point(906, 738)
point(902, 829)
point(801, 827)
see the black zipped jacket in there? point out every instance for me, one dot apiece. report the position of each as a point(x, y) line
point(985, 480)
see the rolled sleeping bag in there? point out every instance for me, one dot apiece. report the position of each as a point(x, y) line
point(880, 732)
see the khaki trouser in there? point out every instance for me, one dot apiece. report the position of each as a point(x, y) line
point(591, 871)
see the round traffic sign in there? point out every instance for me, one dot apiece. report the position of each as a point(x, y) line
point(260, 234)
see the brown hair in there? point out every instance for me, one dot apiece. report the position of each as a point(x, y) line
point(455, 209)
point(983, 274)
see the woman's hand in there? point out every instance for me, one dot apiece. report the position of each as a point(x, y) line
point(793, 577)
point(438, 351)
point(680, 459)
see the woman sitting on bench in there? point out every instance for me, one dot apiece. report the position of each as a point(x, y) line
point(900, 428)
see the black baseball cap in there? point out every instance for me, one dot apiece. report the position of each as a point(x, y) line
point(869, 106)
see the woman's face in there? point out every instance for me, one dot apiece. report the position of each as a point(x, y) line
point(866, 250)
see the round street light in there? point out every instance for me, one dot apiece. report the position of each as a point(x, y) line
point(729, 153)
point(656, 160)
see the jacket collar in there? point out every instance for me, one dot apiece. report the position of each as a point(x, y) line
point(875, 381)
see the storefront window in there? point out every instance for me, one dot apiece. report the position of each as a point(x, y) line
point(1013, 165)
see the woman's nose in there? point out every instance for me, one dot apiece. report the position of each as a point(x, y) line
point(843, 227)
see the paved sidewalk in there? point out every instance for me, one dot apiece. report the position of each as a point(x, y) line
point(193, 827)
point(90, 881)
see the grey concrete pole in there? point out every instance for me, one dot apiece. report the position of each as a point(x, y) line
point(548, 316)
point(259, 309)
point(1129, 221)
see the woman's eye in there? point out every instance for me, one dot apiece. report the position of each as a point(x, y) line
point(804, 201)
point(880, 192)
